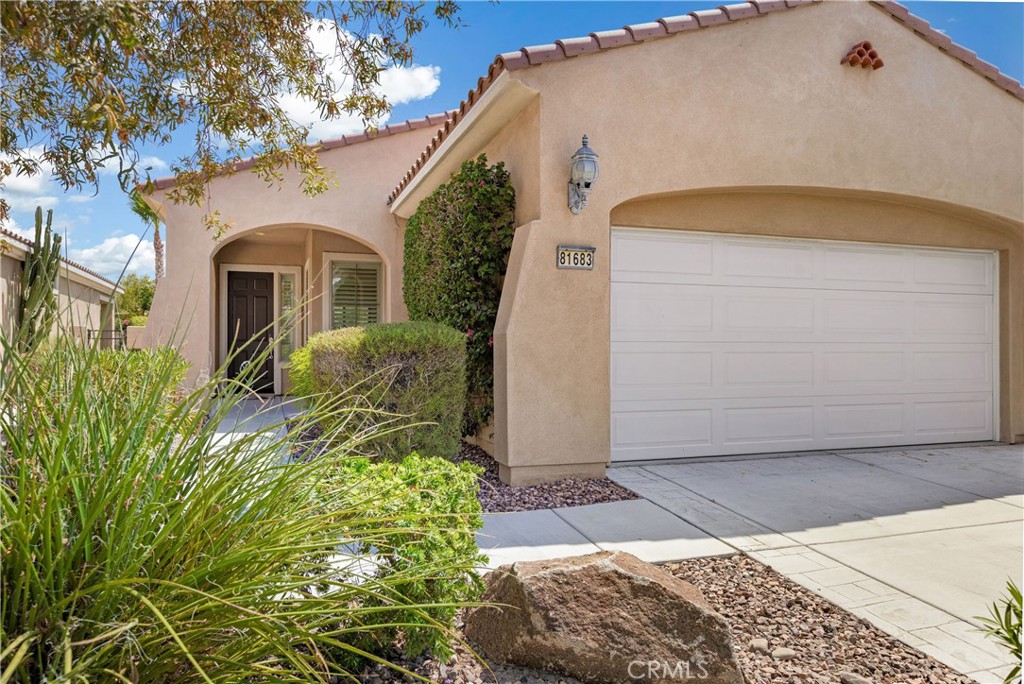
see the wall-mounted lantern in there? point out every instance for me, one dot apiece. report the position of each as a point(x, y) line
point(582, 177)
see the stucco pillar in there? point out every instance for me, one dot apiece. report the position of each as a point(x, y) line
point(551, 357)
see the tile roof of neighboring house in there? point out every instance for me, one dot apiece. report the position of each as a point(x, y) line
point(30, 244)
point(662, 28)
point(430, 120)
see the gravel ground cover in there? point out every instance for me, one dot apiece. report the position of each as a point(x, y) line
point(827, 644)
point(498, 497)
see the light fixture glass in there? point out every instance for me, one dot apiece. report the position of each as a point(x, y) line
point(583, 174)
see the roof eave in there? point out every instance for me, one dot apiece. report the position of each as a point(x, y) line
point(506, 97)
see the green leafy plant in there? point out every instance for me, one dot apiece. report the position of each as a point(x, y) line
point(142, 544)
point(38, 308)
point(1004, 625)
point(410, 376)
point(139, 321)
point(430, 553)
point(457, 245)
point(230, 63)
point(136, 296)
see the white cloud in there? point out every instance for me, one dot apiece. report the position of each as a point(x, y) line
point(26, 192)
point(154, 163)
point(402, 84)
point(398, 84)
point(80, 199)
point(110, 256)
point(29, 202)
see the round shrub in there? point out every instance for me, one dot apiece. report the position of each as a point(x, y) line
point(413, 374)
point(457, 245)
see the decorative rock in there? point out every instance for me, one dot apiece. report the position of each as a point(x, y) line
point(782, 653)
point(604, 617)
point(759, 645)
point(853, 678)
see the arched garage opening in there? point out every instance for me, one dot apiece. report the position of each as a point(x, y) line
point(781, 319)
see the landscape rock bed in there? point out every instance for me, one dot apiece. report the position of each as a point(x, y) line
point(498, 497)
point(826, 640)
point(830, 645)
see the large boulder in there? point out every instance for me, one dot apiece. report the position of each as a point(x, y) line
point(605, 617)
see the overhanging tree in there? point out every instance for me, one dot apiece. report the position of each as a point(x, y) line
point(86, 84)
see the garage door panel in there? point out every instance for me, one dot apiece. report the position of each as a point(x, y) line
point(781, 263)
point(664, 312)
point(662, 256)
point(660, 371)
point(962, 271)
point(770, 345)
point(954, 416)
point(696, 428)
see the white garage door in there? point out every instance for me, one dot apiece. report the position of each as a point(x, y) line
point(738, 345)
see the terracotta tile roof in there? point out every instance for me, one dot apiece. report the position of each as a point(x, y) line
point(431, 120)
point(668, 26)
point(946, 44)
point(30, 244)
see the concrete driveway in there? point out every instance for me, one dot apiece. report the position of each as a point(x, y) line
point(916, 541)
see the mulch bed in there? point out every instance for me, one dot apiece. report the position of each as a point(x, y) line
point(758, 603)
point(497, 497)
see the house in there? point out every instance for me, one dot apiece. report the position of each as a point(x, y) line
point(85, 299)
point(806, 231)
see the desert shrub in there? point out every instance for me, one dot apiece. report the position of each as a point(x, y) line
point(300, 372)
point(1003, 624)
point(457, 245)
point(139, 545)
point(429, 552)
point(410, 375)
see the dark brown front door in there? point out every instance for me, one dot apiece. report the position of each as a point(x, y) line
point(250, 329)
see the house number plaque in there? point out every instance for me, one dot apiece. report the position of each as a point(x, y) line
point(576, 257)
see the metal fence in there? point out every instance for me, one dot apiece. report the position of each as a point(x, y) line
point(107, 339)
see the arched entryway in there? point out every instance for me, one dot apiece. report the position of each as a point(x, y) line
point(278, 285)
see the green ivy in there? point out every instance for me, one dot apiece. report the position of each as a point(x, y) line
point(457, 245)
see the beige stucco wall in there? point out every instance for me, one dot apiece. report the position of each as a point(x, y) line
point(184, 310)
point(10, 294)
point(80, 307)
point(923, 151)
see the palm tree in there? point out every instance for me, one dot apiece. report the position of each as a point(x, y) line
point(138, 205)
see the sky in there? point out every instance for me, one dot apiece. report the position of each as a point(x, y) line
point(101, 232)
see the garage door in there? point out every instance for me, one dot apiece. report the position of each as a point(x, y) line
point(738, 345)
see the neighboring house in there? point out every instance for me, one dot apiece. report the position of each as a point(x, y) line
point(85, 302)
point(791, 254)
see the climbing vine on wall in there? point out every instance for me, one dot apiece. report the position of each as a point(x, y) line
point(456, 250)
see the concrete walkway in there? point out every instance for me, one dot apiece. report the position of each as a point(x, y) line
point(918, 542)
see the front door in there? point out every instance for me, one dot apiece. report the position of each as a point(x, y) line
point(250, 326)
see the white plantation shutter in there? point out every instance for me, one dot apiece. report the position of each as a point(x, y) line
point(355, 293)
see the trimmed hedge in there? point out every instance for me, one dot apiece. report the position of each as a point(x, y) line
point(457, 245)
point(413, 376)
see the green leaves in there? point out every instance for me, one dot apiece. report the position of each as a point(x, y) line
point(142, 544)
point(456, 250)
point(410, 377)
point(1004, 625)
point(429, 550)
point(92, 82)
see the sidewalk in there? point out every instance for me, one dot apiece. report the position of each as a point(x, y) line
point(911, 541)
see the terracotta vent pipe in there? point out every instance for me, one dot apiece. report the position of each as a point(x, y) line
point(863, 55)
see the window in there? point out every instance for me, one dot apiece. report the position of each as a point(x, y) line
point(355, 294)
point(287, 314)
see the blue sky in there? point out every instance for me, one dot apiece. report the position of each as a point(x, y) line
point(101, 231)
